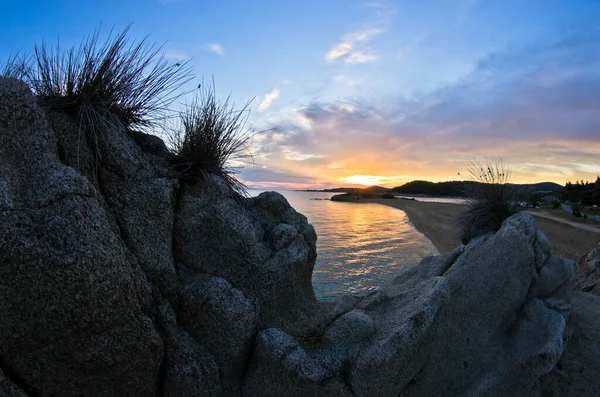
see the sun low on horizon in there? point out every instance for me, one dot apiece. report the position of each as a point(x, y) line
point(363, 93)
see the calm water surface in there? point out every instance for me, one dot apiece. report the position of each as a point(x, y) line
point(359, 246)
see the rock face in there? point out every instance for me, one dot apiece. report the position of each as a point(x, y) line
point(261, 246)
point(476, 321)
point(120, 280)
point(588, 272)
point(88, 259)
point(71, 319)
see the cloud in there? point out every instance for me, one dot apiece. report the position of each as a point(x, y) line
point(176, 55)
point(354, 47)
point(296, 156)
point(535, 106)
point(268, 100)
point(216, 48)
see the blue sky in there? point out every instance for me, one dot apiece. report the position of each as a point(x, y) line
point(374, 92)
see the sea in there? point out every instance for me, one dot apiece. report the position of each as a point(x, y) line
point(359, 246)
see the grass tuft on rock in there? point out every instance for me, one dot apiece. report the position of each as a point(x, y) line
point(490, 201)
point(102, 83)
point(212, 138)
point(15, 66)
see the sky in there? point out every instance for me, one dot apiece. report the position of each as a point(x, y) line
point(349, 93)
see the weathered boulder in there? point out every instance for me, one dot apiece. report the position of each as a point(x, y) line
point(141, 192)
point(224, 319)
point(190, 370)
point(490, 282)
point(262, 246)
point(536, 345)
point(576, 374)
point(480, 320)
point(588, 272)
point(71, 320)
point(352, 327)
point(281, 367)
point(405, 322)
point(133, 178)
point(555, 278)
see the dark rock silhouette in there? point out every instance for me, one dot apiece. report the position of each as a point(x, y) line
point(124, 281)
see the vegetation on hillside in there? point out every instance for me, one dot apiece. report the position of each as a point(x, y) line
point(452, 188)
point(582, 193)
point(463, 188)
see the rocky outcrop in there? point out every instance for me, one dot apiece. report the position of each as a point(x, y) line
point(120, 280)
point(588, 272)
point(71, 319)
point(346, 197)
point(88, 262)
point(576, 374)
point(261, 246)
point(476, 321)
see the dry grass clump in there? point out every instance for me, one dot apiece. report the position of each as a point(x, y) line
point(212, 138)
point(117, 82)
point(100, 84)
point(489, 201)
point(15, 66)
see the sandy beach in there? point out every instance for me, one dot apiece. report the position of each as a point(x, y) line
point(437, 221)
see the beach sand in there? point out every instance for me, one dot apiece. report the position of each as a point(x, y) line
point(437, 221)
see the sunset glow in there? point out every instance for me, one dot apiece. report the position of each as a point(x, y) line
point(370, 180)
point(375, 93)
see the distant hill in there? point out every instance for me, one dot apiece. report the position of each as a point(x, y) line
point(375, 189)
point(550, 187)
point(450, 189)
point(460, 188)
point(356, 190)
point(438, 189)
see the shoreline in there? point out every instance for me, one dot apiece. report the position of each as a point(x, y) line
point(437, 221)
point(434, 220)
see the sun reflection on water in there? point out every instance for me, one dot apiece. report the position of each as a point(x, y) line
point(359, 246)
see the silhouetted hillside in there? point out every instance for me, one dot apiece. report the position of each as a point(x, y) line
point(542, 187)
point(355, 190)
point(460, 188)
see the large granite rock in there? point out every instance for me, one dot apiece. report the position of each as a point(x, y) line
point(115, 279)
point(477, 320)
point(485, 319)
point(261, 246)
point(281, 367)
point(141, 192)
point(188, 368)
point(576, 374)
point(71, 319)
point(225, 319)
